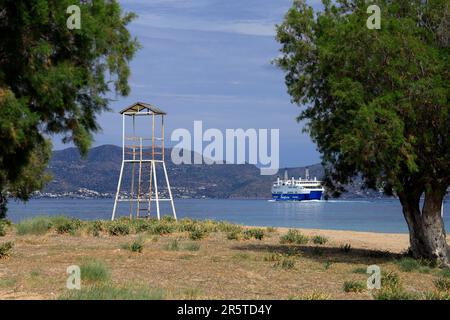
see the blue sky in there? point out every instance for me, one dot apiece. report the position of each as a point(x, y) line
point(210, 60)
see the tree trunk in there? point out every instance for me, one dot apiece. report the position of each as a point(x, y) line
point(426, 228)
point(3, 203)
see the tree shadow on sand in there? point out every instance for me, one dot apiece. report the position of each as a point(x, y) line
point(325, 253)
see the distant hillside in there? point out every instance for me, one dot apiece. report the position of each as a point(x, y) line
point(100, 172)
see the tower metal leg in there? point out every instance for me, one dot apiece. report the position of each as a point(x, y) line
point(170, 191)
point(156, 190)
point(117, 193)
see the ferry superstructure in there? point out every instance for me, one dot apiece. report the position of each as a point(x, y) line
point(297, 189)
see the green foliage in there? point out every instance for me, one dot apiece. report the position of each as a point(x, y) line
point(119, 228)
point(390, 280)
point(110, 292)
point(376, 102)
point(6, 249)
point(34, 226)
point(442, 284)
point(95, 227)
point(66, 225)
point(354, 286)
point(294, 236)
point(55, 81)
point(161, 228)
point(408, 264)
point(234, 235)
point(256, 233)
point(197, 234)
point(94, 271)
point(135, 246)
point(319, 239)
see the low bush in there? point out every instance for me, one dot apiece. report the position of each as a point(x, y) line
point(442, 284)
point(409, 264)
point(173, 245)
point(119, 228)
point(234, 235)
point(2, 229)
point(354, 286)
point(192, 246)
point(319, 240)
point(34, 226)
point(94, 271)
point(256, 233)
point(6, 249)
point(197, 234)
point(64, 225)
point(294, 237)
point(135, 246)
point(95, 227)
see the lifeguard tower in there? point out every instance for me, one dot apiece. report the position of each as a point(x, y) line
point(142, 154)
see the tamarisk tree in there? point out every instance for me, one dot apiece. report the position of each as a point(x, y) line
point(54, 80)
point(376, 101)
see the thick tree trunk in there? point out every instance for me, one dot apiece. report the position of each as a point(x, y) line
point(426, 228)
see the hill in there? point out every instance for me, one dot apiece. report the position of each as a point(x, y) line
point(100, 172)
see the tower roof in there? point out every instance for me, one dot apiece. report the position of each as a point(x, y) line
point(142, 107)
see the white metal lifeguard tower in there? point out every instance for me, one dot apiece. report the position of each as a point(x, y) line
point(142, 153)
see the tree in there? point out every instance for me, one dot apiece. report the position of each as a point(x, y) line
point(377, 102)
point(53, 80)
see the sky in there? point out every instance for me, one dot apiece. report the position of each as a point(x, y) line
point(210, 60)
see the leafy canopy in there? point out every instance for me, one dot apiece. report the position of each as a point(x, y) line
point(55, 81)
point(376, 100)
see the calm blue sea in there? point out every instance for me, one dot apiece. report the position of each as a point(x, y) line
point(376, 215)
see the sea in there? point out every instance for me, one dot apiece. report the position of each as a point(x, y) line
point(377, 215)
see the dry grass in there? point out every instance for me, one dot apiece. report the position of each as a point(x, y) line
point(212, 267)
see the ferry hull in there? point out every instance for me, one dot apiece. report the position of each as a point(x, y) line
point(313, 195)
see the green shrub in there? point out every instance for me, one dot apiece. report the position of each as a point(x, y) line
point(319, 240)
point(197, 234)
point(294, 236)
point(64, 225)
point(6, 249)
point(442, 284)
point(445, 273)
point(408, 264)
point(135, 246)
point(118, 228)
point(354, 286)
point(110, 292)
point(234, 235)
point(34, 226)
point(143, 225)
point(162, 228)
point(228, 227)
point(94, 271)
point(390, 280)
point(394, 294)
point(256, 233)
point(95, 227)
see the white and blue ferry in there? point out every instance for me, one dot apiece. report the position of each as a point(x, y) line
point(297, 189)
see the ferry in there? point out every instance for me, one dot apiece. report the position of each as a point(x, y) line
point(297, 189)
